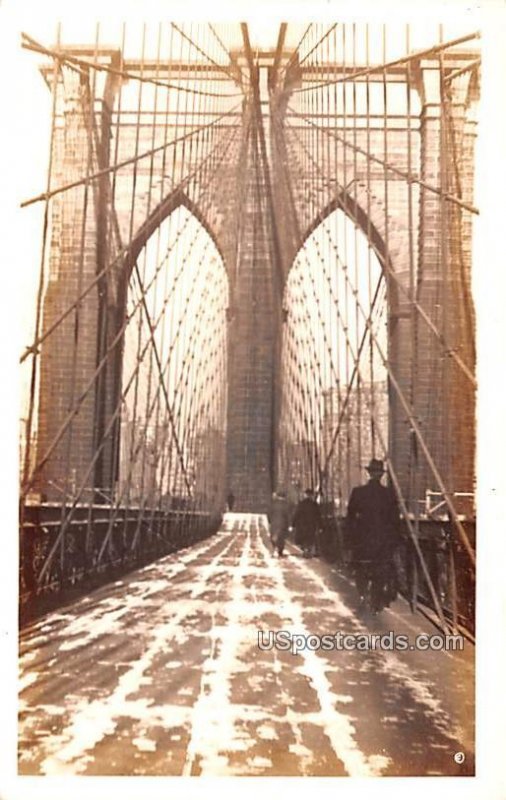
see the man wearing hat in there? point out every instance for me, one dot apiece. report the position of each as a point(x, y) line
point(307, 521)
point(373, 524)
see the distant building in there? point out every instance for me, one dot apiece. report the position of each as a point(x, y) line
point(138, 463)
point(208, 462)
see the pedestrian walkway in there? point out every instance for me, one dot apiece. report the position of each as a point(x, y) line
point(161, 673)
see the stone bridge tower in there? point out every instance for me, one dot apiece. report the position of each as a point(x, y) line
point(422, 240)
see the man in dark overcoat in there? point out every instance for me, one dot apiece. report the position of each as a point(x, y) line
point(307, 521)
point(372, 522)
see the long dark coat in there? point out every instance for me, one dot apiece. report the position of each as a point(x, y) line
point(306, 520)
point(372, 521)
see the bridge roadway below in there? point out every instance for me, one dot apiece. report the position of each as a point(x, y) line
point(161, 674)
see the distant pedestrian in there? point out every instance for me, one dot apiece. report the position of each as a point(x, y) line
point(230, 501)
point(279, 521)
point(307, 522)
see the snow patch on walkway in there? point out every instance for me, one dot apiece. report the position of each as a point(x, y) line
point(91, 722)
point(338, 726)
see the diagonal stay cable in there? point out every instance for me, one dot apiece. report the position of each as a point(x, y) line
point(155, 400)
point(411, 531)
point(395, 63)
point(305, 306)
point(31, 349)
point(405, 513)
point(296, 50)
point(414, 425)
point(405, 291)
point(225, 48)
point(462, 71)
point(319, 42)
point(409, 178)
point(170, 415)
point(417, 431)
point(128, 161)
point(451, 352)
point(73, 62)
point(202, 52)
point(354, 373)
point(41, 273)
point(356, 358)
point(374, 301)
point(169, 409)
point(99, 449)
point(86, 390)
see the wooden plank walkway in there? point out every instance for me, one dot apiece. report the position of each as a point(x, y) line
point(161, 673)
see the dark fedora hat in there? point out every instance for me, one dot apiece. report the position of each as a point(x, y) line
point(375, 465)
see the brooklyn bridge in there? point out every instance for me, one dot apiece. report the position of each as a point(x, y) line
point(254, 276)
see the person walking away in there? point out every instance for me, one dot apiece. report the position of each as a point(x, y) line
point(279, 521)
point(230, 501)
point(307, 521)
point(372, 522)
